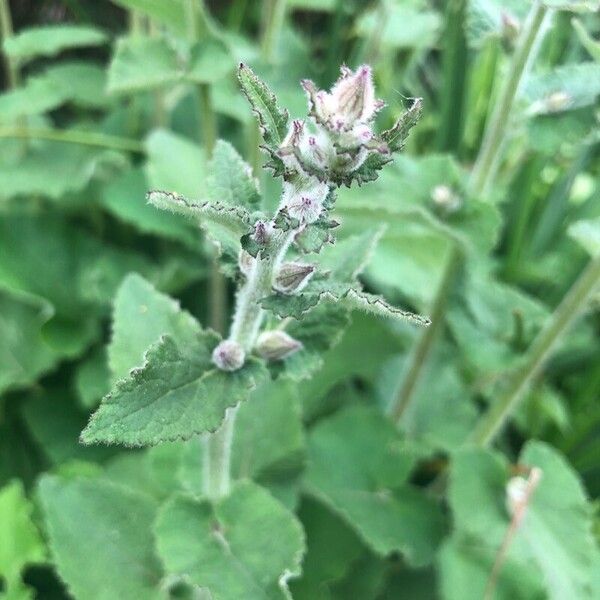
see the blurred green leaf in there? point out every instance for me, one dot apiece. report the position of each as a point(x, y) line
point(94, 528)
point(172, 13)
point(358, 465)
point(51, 39)
point(245, 560)
point(587, 234)
point(210, 61)
point(21, 545)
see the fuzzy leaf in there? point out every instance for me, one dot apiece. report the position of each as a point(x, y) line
point(396, 137)
point(175, 395)
point(587, 234)
point(210, 61)
point(231, 180)
point(343, 294)
point(141, 316)
point(141, 63)
point(358, 466)
point(245, 546)
point(101, 539)
point(224, 223)
point(21, 542)
point(50, 40)
point(271, 118)
point(314, 238)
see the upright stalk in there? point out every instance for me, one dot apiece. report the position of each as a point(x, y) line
point(495, 134)
point(244, 330)
point(6, 32)
point(572, 305)
point(420, 353)
point(272, 23)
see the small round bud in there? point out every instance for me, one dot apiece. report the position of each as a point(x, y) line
point(276, 345)
point(262, 232)
point(246, 262)
point(228, 356)
point(557, 101)
point(510, 26)
point(443, 197)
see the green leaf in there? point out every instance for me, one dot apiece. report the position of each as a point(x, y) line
point(268, 442)
point(141, 316)
point(348, 257)
point(556, 528)
point(590, 44)
point(84, 83)
point(172, 13)
point(225, 224)
point(141, 63)
point(101, 538)
point(402, 26)
point(231, 181)
point(341, 294)
point(92, 380)
point(272, 119)
point(50, 40)
point(587, 234)
point(579, 82)
point(125, 197)
point(210, 61)
point(358, 466)
point(24, 355)
point(21, 542)
point(574, 6)
point(38, 95)
point(396, 137)
point(230, 548)
point(176, 394)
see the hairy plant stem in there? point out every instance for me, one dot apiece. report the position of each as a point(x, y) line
point(245, 327)
point(573, 304)
point(85, 138)
point(496, 131)
point(420, 352)
point(6, 32)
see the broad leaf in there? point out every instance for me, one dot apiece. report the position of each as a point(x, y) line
point(230, 547)
point(224, 223)
point(172, 13)
point(210, 61)
point(141, 316)
point(231, 181)
point(21, 542)
point(94, 529)
point(140, 64)
point(271, 118)
point(358, 465)
point(92, 380)
point(175, 395)
point(50, 40)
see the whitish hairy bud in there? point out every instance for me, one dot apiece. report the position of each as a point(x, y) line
point(444, 198)
point(304, 200)
point(557, 101)
point(350, 102)
point(276, 345)
point(228, 356)
point(292, 277)
point(519, 491)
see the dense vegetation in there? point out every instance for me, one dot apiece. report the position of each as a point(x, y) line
point(373, 455)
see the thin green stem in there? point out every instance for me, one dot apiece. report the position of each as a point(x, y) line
point(496, 131)
point(572, 305)
point(274, 16)
point(85, 138)
point(6, 32)
point(420, 353)
point(244, 329)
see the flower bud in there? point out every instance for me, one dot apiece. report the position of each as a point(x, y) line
point(444, 198)
point(510, 26)
point(304, 199)
point(246, 262)
point(557, 101)
point(262, 232)
point(293, 277)
point(276, 345)
point(228, 356)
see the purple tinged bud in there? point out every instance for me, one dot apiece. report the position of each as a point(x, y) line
point(276, 345)
point(228, 356)
point(246, 262)
point(292, 277)
point(304, 201)
point(262, 232)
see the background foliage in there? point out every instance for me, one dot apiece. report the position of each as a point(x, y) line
point(105, 100)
